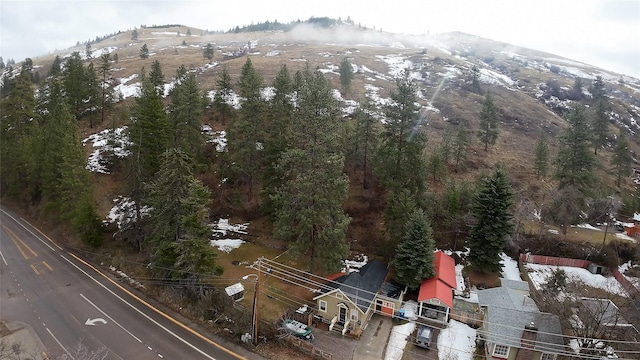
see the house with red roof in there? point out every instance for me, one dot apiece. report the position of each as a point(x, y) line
point(435, 298)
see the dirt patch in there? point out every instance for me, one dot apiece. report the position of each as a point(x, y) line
point(483, 280)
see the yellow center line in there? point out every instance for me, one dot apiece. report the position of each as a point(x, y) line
point(24, 249)
point(176, 322)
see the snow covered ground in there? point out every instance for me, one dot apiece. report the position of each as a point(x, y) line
point(540, 273)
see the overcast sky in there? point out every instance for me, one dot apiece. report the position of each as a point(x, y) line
point(605, 33)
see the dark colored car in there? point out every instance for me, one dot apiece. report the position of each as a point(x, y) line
point(423, 337)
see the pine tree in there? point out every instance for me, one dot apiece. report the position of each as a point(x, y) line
point(134, 34)
point(346, 75)
point(75, 84)
point(474, 80)
point(106, 85)
point(600, 125)
point(541, 161)
point(494, 221)
point(208, 52)
point(401, 202)
point(399, 159)
point(309, 204)
point(622, 158)
point(246, 133)
point(157, 77)
point(414, 257)
point(277, 135)
point(461, 144)
point(149, 131)
point(61, 168)
point(574, 161)
point(18, 135)
point(94, 93)
point(597, 89)
point(144, 51)
point(366, 137)
point(186, 110)
point(436, 165)
point(56, 66)
point(488, 132)
point(2, 64)
point(88, 53)
point(223, 93)
point(178, 231)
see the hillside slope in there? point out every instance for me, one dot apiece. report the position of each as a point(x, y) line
point(531, 90)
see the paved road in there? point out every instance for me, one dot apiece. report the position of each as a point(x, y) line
point(69, 302)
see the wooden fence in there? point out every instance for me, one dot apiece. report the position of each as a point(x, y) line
point(308, 348)
point(556, 261)
point(473, 319)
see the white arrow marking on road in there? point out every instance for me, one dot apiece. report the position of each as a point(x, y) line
point(92, 322)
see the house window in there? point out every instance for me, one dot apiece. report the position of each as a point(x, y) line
point(548, 357)
point(354, 314)
point(501, 351)
point(339, 296)
point(323, 306)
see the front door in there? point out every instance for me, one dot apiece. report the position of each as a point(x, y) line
point(342, 317)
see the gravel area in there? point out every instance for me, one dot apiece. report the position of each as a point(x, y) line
point(341, 347)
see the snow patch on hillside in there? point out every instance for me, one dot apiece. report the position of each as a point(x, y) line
point(107, 143)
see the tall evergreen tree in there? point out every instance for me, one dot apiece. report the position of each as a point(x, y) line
point(346, 75)
point(541, 161)
point(246, 133)
point(56, 66)
point(106, 85)
point(94, 93)
point(488, 132)
point(75, 84)
point(597, 89)
point(494, 221)
point(149, 131)
point(366, 138)
point(144, 51)
point(178, 229)
point(461, 144)
point(223, 93)
point(2, 64)
point(186, 110)
point(134, 34)
point(401, 202)
point(436, 165)
point(309, 204)
point(574, 161)
point(88, 53)
point(399, 159)
point(277, 135)
point(208, 52)
point(414, 255)
point(157, 77)
point(622, 158)
point(474, 80)
point(600, 125)
point(18, 138)
point(64, 179)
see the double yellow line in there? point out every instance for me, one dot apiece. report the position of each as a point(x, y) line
point(27, 252)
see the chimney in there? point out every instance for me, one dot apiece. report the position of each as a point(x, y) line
point(527, 342)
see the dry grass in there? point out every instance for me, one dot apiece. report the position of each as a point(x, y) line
point(574, 234)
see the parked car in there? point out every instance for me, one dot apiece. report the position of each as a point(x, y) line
point(423, 337)
point(619, 226)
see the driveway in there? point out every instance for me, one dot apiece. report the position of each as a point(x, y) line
point(374, 339)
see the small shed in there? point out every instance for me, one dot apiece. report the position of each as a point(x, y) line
point(236, 291)
point(596, 269)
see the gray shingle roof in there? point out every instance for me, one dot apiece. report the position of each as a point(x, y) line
point(508, 309)
point(361, 287)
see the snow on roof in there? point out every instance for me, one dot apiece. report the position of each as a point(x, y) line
point(539, 274)
point(636, 217)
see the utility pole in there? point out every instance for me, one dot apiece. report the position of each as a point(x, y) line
point(256, 319)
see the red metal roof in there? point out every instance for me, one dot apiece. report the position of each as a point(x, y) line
point(445, 269)
point(439, 287)
point(435, 289)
